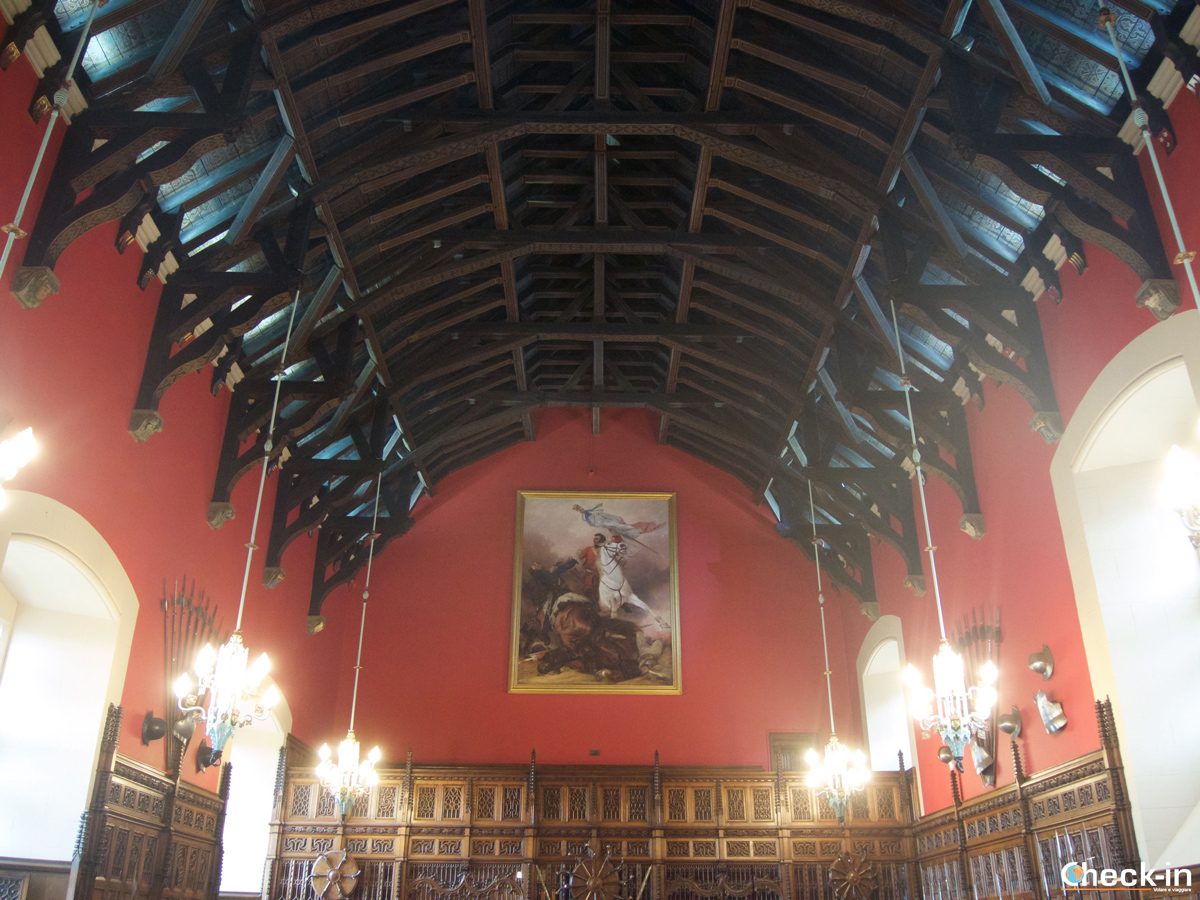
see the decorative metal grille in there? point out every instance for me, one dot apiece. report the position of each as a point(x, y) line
point(702, 801)
point(677, 805)
point(291, 882)
point(637, 804)
point(361, 807)
point(824, 810)
point(377, 880)
point(552, 803)
point(485, 803)
point(426, 798)
point(762, 805)
point(12, 887)
point(612, 803)
point(385, 807)
point(859, 806)
point(885, 803)
point(512, 803)
point(326, 804)
point(812, 882)
point(577, 806)
point(451, 802)
point(735, 804)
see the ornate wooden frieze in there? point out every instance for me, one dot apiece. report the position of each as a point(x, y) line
point(720, 833)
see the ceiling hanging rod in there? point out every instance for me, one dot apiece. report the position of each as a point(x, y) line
point(841, 772)
point(953, 718)
point(1142, 120)
point(349, 778)
point(61, 97)
point(223, 674)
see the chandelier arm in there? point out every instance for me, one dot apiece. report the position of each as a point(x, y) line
point(916, 458)
point(812, 512)
point(1142, 120)
point(267, 448)
point(366, 592)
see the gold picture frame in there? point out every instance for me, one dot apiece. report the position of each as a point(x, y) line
point(595, 594)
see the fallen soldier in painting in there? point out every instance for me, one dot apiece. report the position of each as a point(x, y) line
point(606, 648)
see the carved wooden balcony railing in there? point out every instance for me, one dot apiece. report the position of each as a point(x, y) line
point(494, 832)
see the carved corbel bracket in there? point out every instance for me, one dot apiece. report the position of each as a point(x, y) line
point(19, 33)
point(33, 284)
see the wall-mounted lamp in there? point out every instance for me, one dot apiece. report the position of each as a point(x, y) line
point(15, 454)
point(1180, 490)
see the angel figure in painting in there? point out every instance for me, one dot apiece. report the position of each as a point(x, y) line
point(596, 517)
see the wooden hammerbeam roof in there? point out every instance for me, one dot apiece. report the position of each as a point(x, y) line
point(482, 208)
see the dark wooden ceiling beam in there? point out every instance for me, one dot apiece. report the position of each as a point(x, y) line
point(316, 308)
point(811, 112)
point(783, 209)
point(603, 52)
point(932, 203)
point(179, 41)
point(312, 89)
point(605, 331)
point(1099, 52)
point(905, 136)
point(823, 28)
point(850, 86)
point(1015, 51)
point(264, 187)
point(797, 247)
point(312, 13)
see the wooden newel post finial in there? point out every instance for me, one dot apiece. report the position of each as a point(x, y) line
point(532, 780)
point(1018, 769)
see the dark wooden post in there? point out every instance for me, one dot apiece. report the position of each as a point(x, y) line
point(1032, 857)
point(1130, 858)
point(93, 844)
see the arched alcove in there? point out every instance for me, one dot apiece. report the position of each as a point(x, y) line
point(1136, 576)
point(254, 758)
point(67, 612)
point(886, 722)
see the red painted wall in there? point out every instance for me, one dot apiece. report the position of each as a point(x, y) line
point(437, 647)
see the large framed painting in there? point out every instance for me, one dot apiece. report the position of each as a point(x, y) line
point(595, 594)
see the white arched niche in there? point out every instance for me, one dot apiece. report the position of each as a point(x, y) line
point(1137, 577)
point(67, 613)
point(886, 721)
point(254, 758)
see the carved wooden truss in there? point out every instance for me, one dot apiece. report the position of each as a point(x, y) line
point(705, 208)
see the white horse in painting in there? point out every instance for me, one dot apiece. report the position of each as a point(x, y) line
point(615, 589)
